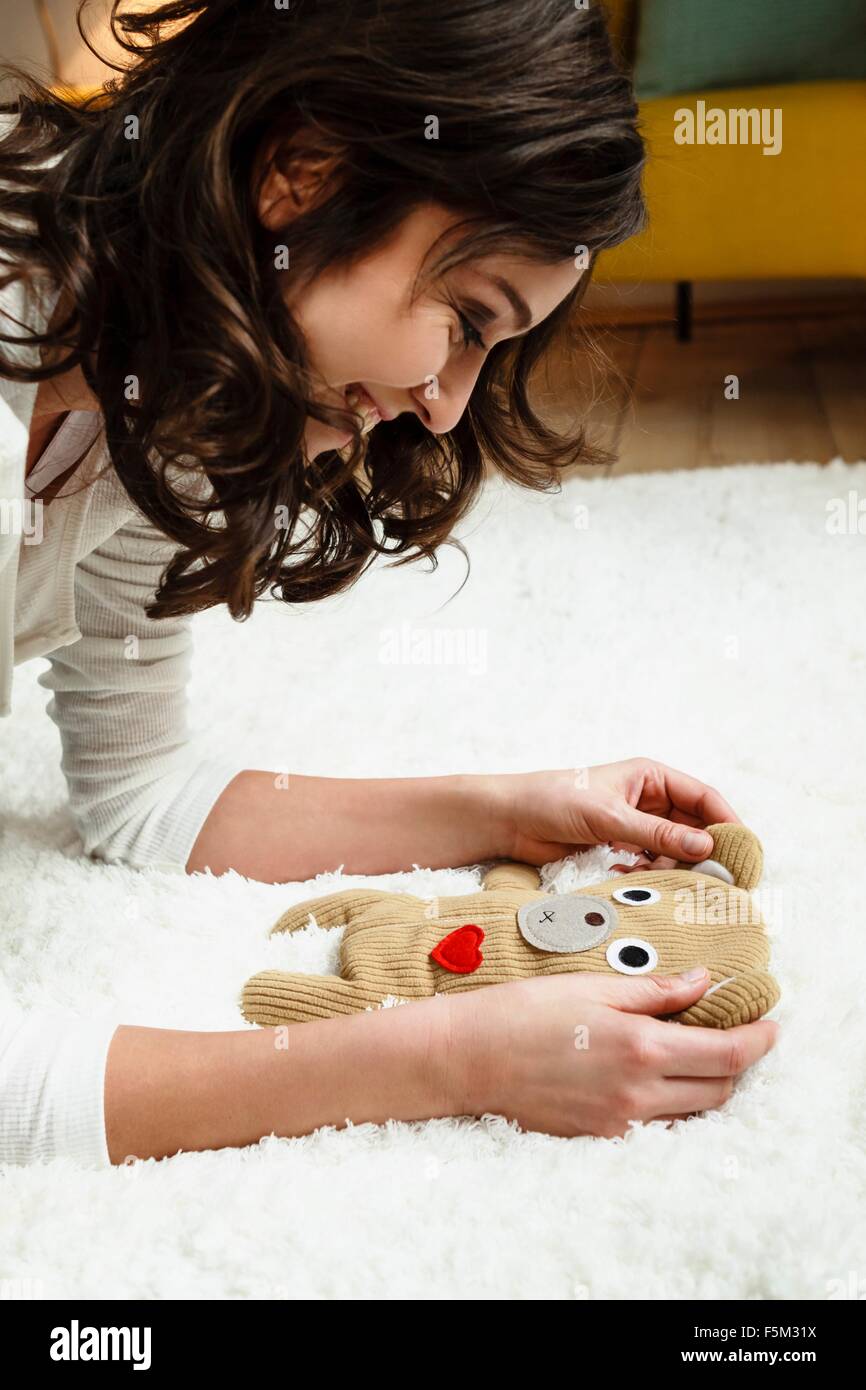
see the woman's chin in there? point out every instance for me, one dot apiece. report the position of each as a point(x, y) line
point(325, 443)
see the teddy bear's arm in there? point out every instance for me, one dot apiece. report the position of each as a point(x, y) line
point(337, 909)
point(509, 874)
point(274, 997)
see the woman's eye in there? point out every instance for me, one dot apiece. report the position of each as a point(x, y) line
point(631, 956)
point(471, 336)
point(636, 897)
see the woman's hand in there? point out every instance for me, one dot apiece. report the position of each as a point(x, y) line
point(581, 1053)
point(638, 805)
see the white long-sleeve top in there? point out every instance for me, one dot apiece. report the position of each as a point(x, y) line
point(52, 1082)
point(75, 576)
point(74, 584)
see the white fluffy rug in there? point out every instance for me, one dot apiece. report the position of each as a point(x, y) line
point(709, 619)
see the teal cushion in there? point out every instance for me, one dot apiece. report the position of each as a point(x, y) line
point(696, 45)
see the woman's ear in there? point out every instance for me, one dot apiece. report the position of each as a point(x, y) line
point(293, 177)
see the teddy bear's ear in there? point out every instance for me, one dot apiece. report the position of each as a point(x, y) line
point(737, 856)
point(510, 874)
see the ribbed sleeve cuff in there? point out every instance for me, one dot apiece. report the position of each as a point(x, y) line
point(80, 1121)
point(52, 1088)
point(163, 836)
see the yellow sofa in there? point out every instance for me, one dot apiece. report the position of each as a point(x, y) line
point(726, 212)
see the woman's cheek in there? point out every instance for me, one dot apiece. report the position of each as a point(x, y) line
point(409, 360)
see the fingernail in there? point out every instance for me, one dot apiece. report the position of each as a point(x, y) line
point(697, 842)
point(696, 973)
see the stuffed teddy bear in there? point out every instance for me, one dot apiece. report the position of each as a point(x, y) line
point(660, 921)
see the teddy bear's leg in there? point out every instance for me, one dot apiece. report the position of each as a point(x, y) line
point(279, 996)
point(734, 999)
point(334, 909)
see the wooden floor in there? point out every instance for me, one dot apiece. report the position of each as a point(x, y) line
point(661, 403)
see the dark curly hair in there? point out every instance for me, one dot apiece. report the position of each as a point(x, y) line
point(165, 272)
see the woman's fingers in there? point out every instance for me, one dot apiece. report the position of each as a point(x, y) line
point(692, 1095)
point(642, 864)
point(646, 862)
point(657, 835)
point(707, 1067)
point(684, 802)
point(688, 1050)
point(694, 798)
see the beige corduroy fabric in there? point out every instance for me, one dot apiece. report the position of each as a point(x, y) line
point(659, 921)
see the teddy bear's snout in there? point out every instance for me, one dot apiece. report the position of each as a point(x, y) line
point(567, 922)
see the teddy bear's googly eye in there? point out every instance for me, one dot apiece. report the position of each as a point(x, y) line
point(636, 897)
point(631, 956)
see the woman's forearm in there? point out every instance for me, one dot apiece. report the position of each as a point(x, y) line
point(284, 827)
point(167, 1090)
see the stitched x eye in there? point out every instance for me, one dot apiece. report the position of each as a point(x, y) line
point(566, 922)
point(636, 897)
point(631, 956)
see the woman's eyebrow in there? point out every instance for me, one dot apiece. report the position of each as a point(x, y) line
point(522, 311)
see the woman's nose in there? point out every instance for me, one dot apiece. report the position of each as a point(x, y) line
point(442, 399)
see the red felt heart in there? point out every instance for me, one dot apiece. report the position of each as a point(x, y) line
point(458, 951)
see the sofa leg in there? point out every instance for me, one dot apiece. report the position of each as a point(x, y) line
point(684, 311)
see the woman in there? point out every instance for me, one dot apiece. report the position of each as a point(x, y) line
point(270, 305)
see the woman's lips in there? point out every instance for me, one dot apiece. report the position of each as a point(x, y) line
point(358, 398)
point(362, 404)
point(383, 414)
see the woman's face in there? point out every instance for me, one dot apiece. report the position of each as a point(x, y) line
point(384, 355)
